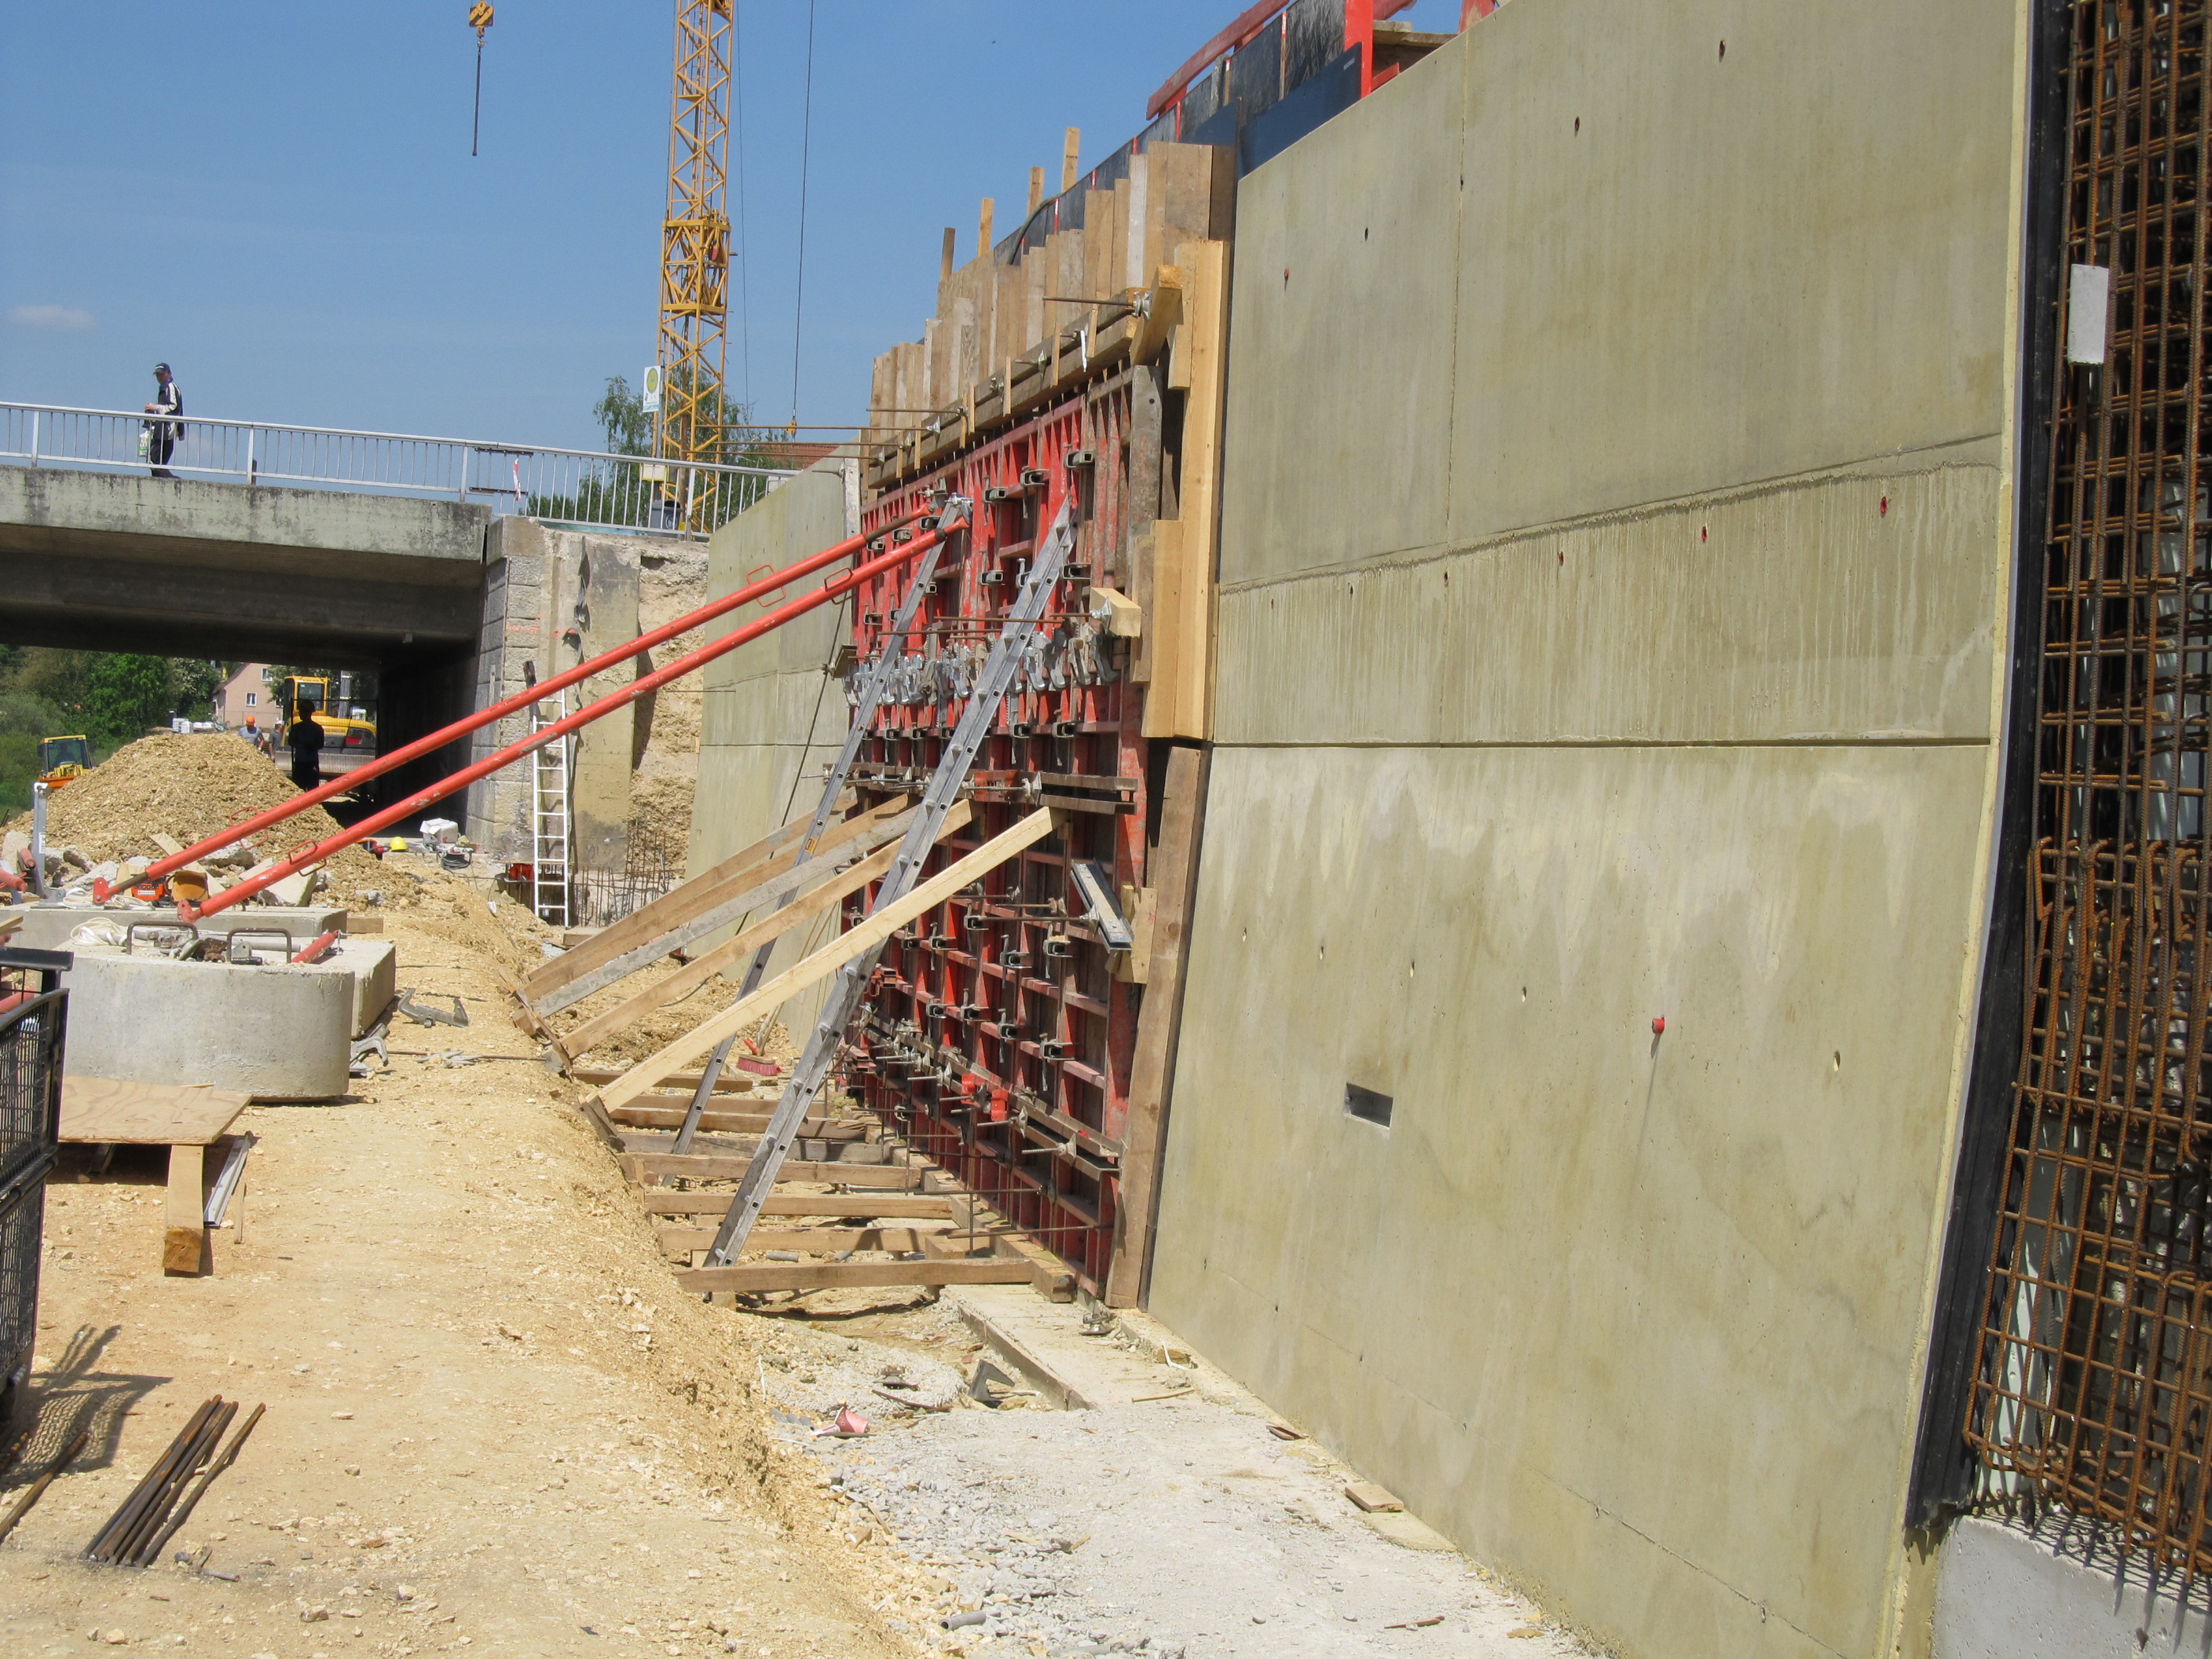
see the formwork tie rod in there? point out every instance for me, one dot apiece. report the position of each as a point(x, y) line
point(103, 889)
point(835, 587)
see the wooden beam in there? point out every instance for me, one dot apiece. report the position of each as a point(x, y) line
point(866, 937)
point(778, 848)
point(819, 1241)
point(983, 227)
point(1036, 188)
point(751, 1123)
point(708, 1166)
point(1171, 867)
point(688, 979)
point(772, 884)
point(758, 1276)
point(1069, 150)
point(914, 1206)
point(184, 1219)
point(732, 1082)
point(944, 257)
point(1164, 311)
point(1179, 703)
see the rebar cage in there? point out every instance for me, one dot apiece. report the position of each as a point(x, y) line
point(2094, 1388)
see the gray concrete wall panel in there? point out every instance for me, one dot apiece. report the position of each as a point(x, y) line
point(1612, 570)
point(1856, 607)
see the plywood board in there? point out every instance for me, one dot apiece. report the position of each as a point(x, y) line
point(102, 1112)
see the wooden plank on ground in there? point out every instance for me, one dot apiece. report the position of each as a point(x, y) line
point(756, 1277)
point(903, 1206)
point(1171, 869)
point(820, 1241)
point(105, 1112)
point(703, 1166)
point(746, 1123)
point(732, 1082)
point(773, 884)
point(823, 963)
point(686, 980)
point(681, 902)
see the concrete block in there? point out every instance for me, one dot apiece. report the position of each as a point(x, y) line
point(48, 927)
point(2003, 1593)
point(275, 1033)
point(373, 965)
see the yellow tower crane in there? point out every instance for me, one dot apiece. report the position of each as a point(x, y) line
point(695, 239)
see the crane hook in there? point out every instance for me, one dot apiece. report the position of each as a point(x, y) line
point(479, 19)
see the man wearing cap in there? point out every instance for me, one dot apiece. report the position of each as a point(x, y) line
point(161, 435)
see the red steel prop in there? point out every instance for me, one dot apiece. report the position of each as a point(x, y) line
point(103, 890)
point(833, 588)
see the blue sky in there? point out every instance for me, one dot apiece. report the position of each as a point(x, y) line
point(279, 199)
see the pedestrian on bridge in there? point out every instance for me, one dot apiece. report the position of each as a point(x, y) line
point(306, 738)
point(161, 435)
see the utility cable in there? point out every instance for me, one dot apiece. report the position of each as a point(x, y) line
point(805, 156)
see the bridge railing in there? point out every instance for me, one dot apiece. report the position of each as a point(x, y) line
point(569, 486)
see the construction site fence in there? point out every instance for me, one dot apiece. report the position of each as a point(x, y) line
point(588, 489)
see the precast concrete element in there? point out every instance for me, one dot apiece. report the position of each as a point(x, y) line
point(1614, 567)
point(276, 1033)
point(48, 927)
point(116, 562)
point(373, 965)
point(773, 719)
point(2005, 1593)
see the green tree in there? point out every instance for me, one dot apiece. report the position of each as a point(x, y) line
point(193, 682)
point(125, 693)
point(621, 414)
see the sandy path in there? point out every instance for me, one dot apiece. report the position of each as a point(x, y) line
point(491, 1426)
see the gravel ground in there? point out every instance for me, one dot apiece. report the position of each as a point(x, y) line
point(1178, 1528)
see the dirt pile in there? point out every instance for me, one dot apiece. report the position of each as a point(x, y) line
point(188, 786)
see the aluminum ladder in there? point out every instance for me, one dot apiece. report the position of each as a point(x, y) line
point(549, 816)
point(992, 683)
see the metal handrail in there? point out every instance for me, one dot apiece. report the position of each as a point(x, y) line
point(580, 486)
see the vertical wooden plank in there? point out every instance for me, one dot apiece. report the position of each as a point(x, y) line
point(1163, 626)
point(944, 257)
point(1145, 417)
point(1067, 156)
point(1171, 871)
point(184, 1227)
point(1206, 311)
point(1135, 273)
point(1036, 191)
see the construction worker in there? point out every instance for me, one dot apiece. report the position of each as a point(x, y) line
point(306, 738)
point(161, 435)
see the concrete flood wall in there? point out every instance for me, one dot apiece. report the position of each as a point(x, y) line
point(773, 717)
point(1614, 549)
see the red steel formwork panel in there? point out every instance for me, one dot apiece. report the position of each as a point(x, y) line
point(995, 1032)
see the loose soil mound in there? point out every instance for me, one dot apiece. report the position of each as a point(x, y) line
point(189, 786)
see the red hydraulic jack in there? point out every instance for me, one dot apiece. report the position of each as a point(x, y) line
point(953, 518)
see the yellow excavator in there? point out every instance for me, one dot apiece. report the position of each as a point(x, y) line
point(61, 759)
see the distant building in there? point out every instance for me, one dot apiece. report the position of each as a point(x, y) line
point(246, 692)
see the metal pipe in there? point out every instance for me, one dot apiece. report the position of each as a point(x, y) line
point(319, 851)
point(103, 890)
point(152, 1552)
point(127, 1515)
point(126, 1548)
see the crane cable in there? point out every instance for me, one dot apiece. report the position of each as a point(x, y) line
point(479, 19)
point(806, 156)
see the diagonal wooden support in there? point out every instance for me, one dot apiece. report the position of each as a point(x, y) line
point(770, 884)
point(827, 961)
point(680, 904)
point(723, 957)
